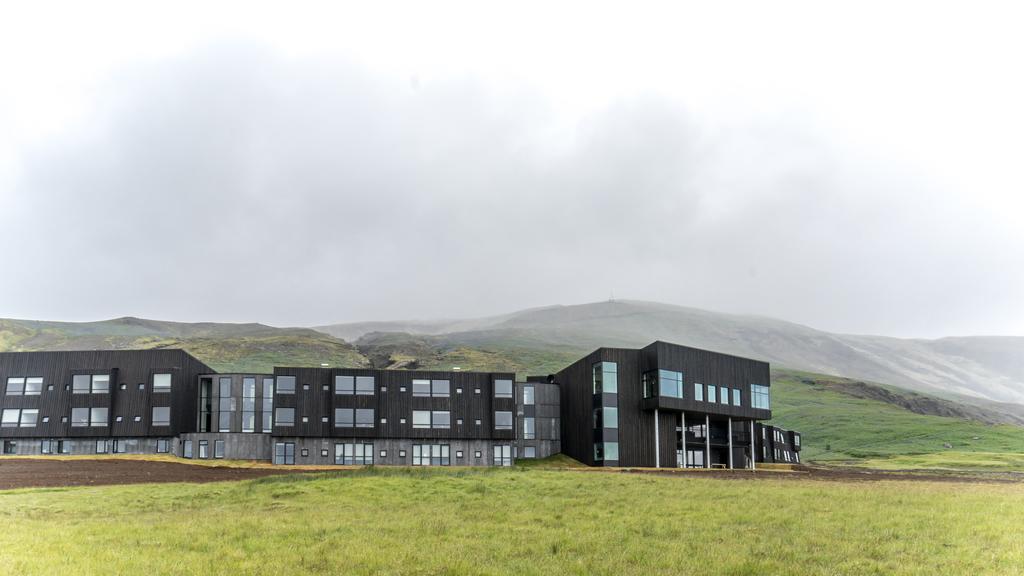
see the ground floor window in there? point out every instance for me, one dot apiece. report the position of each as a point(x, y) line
point(101, 446)
point(284, 453)
point(204, 448)
point(47, 447)
point(502, 455)
point(163, 446)
point(431, 455)
point(694, 458)
point(10, 447)
point(218, 448)
point(123, 446)
point(529, 452)
point(353, 454)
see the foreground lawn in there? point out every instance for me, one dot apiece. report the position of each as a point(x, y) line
point(403, 521)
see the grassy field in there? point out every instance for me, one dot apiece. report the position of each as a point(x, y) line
point(405, 521)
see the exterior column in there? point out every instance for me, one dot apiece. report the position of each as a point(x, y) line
point(684, 439)
point(730, 442)
point(753, 447)
point(657, 448)
point(707, 441)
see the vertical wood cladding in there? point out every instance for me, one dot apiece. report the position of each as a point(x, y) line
point(636, 414)
point(128, 369)
point(315, 400)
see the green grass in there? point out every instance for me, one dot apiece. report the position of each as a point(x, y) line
point(404, 521)
point(839, 427)
point(949, 460)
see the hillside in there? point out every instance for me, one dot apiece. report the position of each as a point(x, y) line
point(984, 369)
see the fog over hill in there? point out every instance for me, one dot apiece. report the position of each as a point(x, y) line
point(987, 368)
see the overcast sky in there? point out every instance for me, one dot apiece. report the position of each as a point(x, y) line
point(856, 169)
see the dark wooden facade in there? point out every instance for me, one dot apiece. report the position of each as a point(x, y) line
point(471, 398)
point(636, 415)
point(130, 391)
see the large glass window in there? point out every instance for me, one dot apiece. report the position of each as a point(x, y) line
point(80, 383)
point(441, 419)
point(529, 428)
point(161, 415)
point(344, 418)
point(268, 405)
point(430, 455)
point(364, 418)
point(698, 392)
point(502, 455)
point(285, 416)
point(286, 385)
point(502, 420)
point(421, 418)
point(79, 417)
point(435, 388)
point(528, 395)
point(353, 454)
point(606, 378)
point(345, 385)
point(97, 417)
point(365, 385)
point(248, 404)
point(100, 384)
point(161, 382)
point(15, 386)
point(420, 387)
point(759, 397)
point(502, 388)
point(670, 383)
point(606, 451)
point(225, 406)
point(11, 416)
point(33, 386)
point(284, 452)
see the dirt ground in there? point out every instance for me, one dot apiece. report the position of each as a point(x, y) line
point(41, 472)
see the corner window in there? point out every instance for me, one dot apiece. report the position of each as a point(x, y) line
point(502, 388)
point(606, 378)
point(607, 417)
point(759, 397)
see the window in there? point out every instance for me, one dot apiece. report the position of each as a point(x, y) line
point(186, 451)
point(15, 386)
point(458, 421)
point(606, 417)
point(225, 406)
point(435, 388)
point(606, 378)
point(97, 417)
point(11, 417)
point(10, 447)
point(137, 418)
point(161, 382)
point(759, 397)
point(101, 446)
point(80, 383)
point(698, 392)
point(529, 452)
point(268, 405)
point(79, 417)
point(529, 428)
point(345, 385)
point(286, 385)
point(724, 395)
point(735, 396)
point(218, 448)
point(502, 420)
point(100, 384)
point(441, 419)
point(502, 388)
point(33, 386)
point(528, 395)
point(344, 418)
point(365, 385)
point(123, 446)
point(142, 387)
point(163, 446)
point(477, 454)
point(161, 415)
point(364, 418)
point(712, 393)
point(606, 451)
point(248, 404)
point(85, 383)
point(430, 455)
point(285, 417)
point(421, 419)
point(204, 449)
point(458, 454)
point(353, 454)
point(670, 383)
point(48, 447)
point(502, 455)
point(796, 440)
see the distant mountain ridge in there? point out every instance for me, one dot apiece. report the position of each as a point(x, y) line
point(986, 368)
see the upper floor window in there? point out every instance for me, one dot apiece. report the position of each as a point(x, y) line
point(161, 416)
point(606, 417)
point(606, 378)
point(502, 420)
point(712, 393)
point(528, 395)
point(438, 419)
point(735, 396)
point(161, 382)
point(24, 386)
point(23, 417)
point(365, 385)
point(725, 395)
point(698, 392)
point(503, 388)
point(435, 388)
point(285, 416)
point(90, 383)
point(89, 417)
point(759, 397)
point(663, 383)
point(286, 384)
